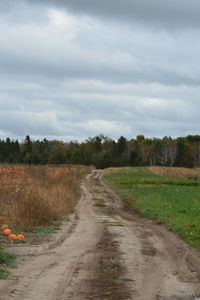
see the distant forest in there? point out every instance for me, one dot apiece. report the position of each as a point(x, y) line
point(103, 152)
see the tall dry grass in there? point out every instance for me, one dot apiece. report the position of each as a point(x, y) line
point(48, 193)
point(175, 172)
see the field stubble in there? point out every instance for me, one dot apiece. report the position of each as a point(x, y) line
point(175, 172)
point(37, 195)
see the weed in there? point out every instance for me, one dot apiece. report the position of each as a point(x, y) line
point(5, 257)
point(6, 260)
point(109, 270)
point(113, 287)
point(100, 200)
point(4, 273)
point(115, 224)
point(115, 281)
point(109, 223)
point(104, 210)
point(12, 265)
point(105, 221)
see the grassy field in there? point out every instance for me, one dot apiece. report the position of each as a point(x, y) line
point(172, 201)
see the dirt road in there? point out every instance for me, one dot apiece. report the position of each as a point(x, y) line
point(105, 252)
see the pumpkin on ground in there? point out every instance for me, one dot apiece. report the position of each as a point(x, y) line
point(13, 237)
point(21, 237)
point(7, 232)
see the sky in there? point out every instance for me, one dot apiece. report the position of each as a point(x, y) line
point(70, 70)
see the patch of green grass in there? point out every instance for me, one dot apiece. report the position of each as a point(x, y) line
point(66, 219)
point(4, 273)
point(130, 173)
point(6, 260)
point(140, 175)
point(105, 221)
point(113, 287)
point(42, 231)
point(5, 257)
point(12, 266)
point(115, 281)
point(24, 184)
point(176, 207)
point(109, 223)
point(109, 270)
point(100, 200)
point(115, 224)
point(175, 204)
point(103, 210)
point(178, 182)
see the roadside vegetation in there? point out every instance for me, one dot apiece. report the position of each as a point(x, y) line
point(6, 261)
point(37, 195)
point(34, 200)
point(172, 201)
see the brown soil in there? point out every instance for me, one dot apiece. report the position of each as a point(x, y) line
point(105, 252)
point(108, 283)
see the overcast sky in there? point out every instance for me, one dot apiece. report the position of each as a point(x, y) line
point(70, 69)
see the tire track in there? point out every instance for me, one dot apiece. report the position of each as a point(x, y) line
point(160, 265)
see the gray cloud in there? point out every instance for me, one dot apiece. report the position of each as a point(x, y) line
point(126, 109)
point(169, 14)
point(53, 51)
point(66, 73)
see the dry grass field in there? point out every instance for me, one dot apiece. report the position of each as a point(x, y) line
point(175, 172)
point(38, 195)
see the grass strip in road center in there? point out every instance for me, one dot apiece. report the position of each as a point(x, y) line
point(108, 283)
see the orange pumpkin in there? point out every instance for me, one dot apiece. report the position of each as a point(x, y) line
point(7, 232)
point(21, 237)
point(13, 237)
point(4, 226)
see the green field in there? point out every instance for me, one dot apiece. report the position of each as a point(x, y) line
point(174, 202)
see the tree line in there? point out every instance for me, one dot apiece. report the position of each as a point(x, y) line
point(102, 151)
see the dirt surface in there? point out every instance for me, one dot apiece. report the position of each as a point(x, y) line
point(105, 252)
